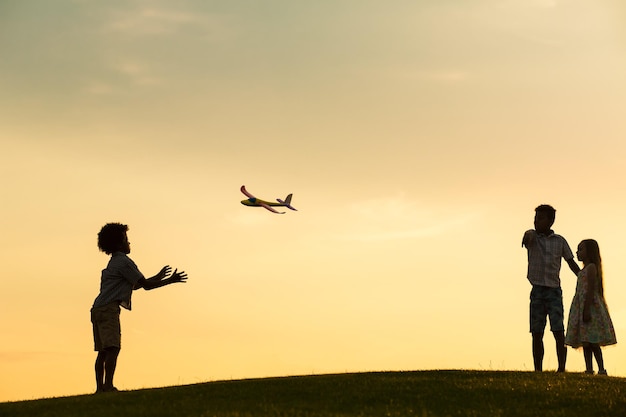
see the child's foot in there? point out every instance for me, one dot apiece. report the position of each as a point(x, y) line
point(589, 371)
point(602, 372)
point(109, 388)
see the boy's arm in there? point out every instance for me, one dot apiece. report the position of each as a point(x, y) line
point(529, 238)
point(163, 273)
point(573, 266)
point(152, 283)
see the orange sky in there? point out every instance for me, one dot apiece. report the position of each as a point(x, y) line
point(416, 137)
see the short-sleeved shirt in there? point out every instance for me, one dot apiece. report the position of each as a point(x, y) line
point(118, 280)
point(544, 259)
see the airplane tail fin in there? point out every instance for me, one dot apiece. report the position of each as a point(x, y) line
point(286, 202)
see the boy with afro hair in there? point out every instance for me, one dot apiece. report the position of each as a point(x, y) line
point(119, 279)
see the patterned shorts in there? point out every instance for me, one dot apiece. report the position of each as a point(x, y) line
point(106, 326)
point(546, 302)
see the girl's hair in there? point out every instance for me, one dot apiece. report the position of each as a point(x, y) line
point(593, 257)
point(111, 236)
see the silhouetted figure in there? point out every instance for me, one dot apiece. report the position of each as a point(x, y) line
point(119, 279)
point(589, 324)
point(545, 250)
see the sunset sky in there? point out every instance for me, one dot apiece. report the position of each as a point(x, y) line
point(417, 137)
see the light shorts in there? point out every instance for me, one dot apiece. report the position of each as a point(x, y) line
point(106, 326)
point(546, 302)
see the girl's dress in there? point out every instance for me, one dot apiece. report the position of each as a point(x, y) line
point(599, 329)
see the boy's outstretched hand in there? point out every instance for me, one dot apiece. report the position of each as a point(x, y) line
point(160, 280)
point(163, 273)
point(178, 276)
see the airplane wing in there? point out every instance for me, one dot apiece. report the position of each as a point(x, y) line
point(264, 205)
point(245, 192)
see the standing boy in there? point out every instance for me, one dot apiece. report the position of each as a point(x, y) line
point(545, 250)
point(119, 279)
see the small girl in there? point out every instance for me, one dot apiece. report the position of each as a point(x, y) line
point(589, 323)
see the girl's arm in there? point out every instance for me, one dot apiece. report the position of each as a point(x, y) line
point(592, 281)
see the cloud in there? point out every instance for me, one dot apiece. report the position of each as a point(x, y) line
point(99, 88)
point(151, 21)
point(397, 218)
point(250, 216)
point(539, 22)
point(120, 76)
point(544, 4)
point(435, 229)
point(443, 76)
point(447, 76)
point(450, 76)
point(527, 4)
point(29, 356)
point(143, 44)
point(136, 73)
point(544, 41)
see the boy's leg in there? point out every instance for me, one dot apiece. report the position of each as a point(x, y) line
point(554, 305)
point(110, 363)
point(538, 314)
point(561, 349)
point(100, 370)
point(107, 338)
point(538, 351)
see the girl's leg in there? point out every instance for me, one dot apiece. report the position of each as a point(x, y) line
point(588, 358)
point(597, 352)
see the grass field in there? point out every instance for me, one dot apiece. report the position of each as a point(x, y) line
point(420, 393)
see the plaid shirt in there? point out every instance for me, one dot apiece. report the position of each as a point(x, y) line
point(118, 280)
point(544, 259)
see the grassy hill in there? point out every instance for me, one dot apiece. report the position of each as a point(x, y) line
point(421, 393)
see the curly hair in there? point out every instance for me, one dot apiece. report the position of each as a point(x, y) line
point(111, 236)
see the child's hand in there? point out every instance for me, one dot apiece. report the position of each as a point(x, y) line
point(164, 272)
point(179, 276)
point(529, 238)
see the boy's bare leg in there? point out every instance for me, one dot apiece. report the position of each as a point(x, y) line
point(561, 350)
point(106, 362)
point(538, 351)
point(100, 370)
point(110, 363)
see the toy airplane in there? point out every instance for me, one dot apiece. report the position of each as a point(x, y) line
point(252, 201)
